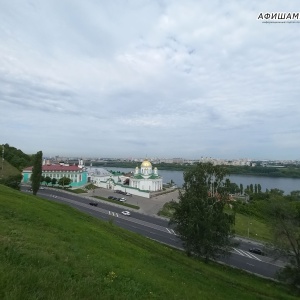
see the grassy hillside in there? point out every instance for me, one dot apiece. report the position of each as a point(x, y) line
point(51, 251)
point(16, 157)
point(8, 170)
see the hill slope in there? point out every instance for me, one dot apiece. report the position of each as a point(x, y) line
point(16, 157)
point(51, 251)
point(8, 170)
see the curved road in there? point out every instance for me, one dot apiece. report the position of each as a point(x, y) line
point(159, 229)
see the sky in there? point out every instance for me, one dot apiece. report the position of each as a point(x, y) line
point(150, 78)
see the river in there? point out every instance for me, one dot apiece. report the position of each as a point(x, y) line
point(285, 184)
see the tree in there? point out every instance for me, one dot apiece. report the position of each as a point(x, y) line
point(241, 189)
point(233, 188)
point(251, 188)
point(36, 172)
point(285, 222)
point(47, 180)
point(53, 181)
point(259, 188)
point(13, 181)
point(277, 192)
point(199, 217)
point(247, 190)
point(64, 181)
point(255, 188)
point(42, 179)
point(16, 157)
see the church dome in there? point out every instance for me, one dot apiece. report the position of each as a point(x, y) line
point(146, 163)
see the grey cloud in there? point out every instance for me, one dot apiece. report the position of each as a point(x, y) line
point(149, 76)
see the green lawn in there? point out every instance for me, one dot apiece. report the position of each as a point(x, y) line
point(252, 228)
point(8, 169)
point(52, 251)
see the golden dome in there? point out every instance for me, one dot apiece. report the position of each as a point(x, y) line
point(146, 163)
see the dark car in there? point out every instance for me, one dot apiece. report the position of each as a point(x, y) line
point(110, 197)
point(256, 251)
point(93, 203)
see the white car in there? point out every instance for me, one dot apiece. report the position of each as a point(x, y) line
point(122, 199)
point(126, 213)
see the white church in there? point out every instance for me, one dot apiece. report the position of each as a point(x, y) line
point(141, 182)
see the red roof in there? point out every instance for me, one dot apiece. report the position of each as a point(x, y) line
point(56, 168)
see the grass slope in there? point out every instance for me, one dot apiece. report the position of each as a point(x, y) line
point(52, 251)
point(258, 230)
point(8, 169)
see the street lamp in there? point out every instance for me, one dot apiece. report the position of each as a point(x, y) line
point(249, 227)
point(2, 171)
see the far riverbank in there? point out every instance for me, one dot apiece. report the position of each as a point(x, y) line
point(273, 172)
point(285, 184)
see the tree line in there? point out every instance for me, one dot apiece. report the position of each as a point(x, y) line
point(64, 181)
point(17, 157)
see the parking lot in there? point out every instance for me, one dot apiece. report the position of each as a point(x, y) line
point(148, 206)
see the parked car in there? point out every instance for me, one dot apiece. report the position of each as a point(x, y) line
point(125, 213)
point(122, 199)
point(110, 197)
point(93, 203)
point(42, 188)
point(128, 194)
point(256, 251)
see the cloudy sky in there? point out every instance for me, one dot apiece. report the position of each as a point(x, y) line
point(156, 78)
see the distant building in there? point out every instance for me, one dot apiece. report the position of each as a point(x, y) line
point(141, 182)
point(76, 173)
point(145, 178)
point(178, 160)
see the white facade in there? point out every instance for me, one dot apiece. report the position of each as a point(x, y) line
point(144, 180)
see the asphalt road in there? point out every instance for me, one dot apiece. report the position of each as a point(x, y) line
point(159, 229)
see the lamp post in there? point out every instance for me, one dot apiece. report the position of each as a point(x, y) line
point(2, 171)
point(249, 227)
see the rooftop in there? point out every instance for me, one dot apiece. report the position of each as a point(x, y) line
point(49, 168)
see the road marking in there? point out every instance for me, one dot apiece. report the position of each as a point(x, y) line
point(171, 231)
point(113, 214)
point(244, 253)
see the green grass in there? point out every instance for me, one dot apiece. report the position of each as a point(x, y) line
point(77, 191)
point(52, 251)
point(91, 186)
point(8, 169)
point(166, 210)
point(258, 230)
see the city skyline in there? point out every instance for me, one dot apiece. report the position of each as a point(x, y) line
point(150, 78)
point(238, 161)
